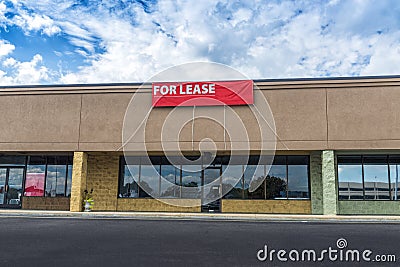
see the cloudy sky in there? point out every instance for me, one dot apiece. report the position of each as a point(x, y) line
point(89, 41)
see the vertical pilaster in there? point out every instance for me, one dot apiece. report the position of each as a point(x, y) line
point(79, 176)
point(316, 182)
point(329, 188)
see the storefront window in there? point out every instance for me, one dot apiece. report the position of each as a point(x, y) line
point(368, 177)
point(274, 185)
point(49, 176)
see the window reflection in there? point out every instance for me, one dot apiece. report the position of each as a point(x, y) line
point(149, 180)
point(15, 177)
point(3, 177)
point(350, 177)
point(395, 184)
point(394, 162)
point(298, 181)
point(232, 175)
point(287, 174)
point(257, 173)
point(69, 181)
point(172, 176)
point(191, 181)
point(44, 175)
point(55, 180)
point(35, 176)
point(369, 177)
point(376, 177)
point(129, 185)
point(276, 182)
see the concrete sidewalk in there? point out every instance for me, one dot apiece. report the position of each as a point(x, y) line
point(200, 216)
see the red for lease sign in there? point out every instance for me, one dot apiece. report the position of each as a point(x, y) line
point(172, 94)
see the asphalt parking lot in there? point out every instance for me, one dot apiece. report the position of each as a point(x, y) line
point(128, 242)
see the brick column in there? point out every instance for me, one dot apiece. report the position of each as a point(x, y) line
point(329, 188)
point(79, 175)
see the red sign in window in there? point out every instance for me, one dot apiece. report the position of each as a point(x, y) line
point(172, 94)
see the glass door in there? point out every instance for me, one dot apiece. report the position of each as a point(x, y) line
point(212, 191)
point(11, 187)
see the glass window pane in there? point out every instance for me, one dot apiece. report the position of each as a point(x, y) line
point(256, 172)
point(128, 186)
point(376, 177)
point(231, 175)
point(34, 182)
point(149, 180)
point(55, 180)
point(298, 181)
point(3, 177)
point(350, 181)
point(395, 181)
point(15, 177)
point(276, 182)
point(191, 181)
point(69, 181)
point(172, 176)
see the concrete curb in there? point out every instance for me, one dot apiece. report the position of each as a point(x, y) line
point(200, 216)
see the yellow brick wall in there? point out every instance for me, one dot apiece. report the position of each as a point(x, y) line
point(267, 206)
point(45, 203)
point(102, 177)
point(149, 204)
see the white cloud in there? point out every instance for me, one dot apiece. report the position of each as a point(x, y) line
point(28, 21)
point(2, 11)
point(5, 48)
point(36, 22)
point(385, 56)
point(27, 72)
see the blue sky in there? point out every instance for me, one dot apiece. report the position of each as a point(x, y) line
point(89, 41)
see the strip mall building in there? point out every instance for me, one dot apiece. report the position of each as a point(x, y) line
point(337, 151)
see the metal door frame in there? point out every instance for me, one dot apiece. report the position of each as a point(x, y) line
point(6, 187)
point(204, 207)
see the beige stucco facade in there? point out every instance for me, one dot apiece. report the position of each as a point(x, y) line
point(309, 115)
